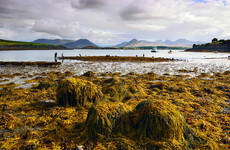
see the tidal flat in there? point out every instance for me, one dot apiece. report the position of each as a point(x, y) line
point(114, 105)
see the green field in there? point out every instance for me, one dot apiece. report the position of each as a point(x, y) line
point(17, 45)
point(9, 43)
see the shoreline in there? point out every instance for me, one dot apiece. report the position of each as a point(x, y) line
point(24, 63)
point(109, 58)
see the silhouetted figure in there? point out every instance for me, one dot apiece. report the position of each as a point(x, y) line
point(55, 56)
point(136, 56)
point(143, 55)
point(80, 55)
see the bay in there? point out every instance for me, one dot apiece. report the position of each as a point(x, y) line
point(48, 55)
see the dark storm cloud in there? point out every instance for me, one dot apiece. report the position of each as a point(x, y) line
point(86, 4)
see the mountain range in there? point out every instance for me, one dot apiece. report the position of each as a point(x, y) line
point(179, 42)
point(81, 43)
point(67, 43)
point(141, 43)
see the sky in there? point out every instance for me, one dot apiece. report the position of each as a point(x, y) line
point(108, 22)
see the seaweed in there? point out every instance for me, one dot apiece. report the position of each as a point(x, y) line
point(103, 118)
point(158, 120)
point(142, 111)
point(76, 92)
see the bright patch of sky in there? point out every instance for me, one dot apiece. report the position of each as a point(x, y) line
point(201, 1)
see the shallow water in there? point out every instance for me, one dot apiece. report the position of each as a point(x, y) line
point(204, 62)
point(48, 55)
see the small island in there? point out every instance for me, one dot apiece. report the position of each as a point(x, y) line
point(215, 46)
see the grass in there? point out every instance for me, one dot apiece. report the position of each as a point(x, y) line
point(10, 43)
point(17, 45)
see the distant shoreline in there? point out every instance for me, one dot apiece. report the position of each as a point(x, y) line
point(203, 51)
point(29, 63)
point(28, 49)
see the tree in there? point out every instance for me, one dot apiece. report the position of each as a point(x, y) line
point(214, 40)
point(194, 45)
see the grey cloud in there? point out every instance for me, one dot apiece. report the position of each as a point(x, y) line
point(6, 6)
point(56, 28)
point(1, 25)
point(135, 13)
point(86, 4)
point(11, 9)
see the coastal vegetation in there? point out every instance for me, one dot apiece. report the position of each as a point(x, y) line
point(109, 58)
point(215, 46)
point(115, 111)
point(16, 45)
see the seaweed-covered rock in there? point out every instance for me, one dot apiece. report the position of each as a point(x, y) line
point(44, 84)
point(103, 118)
point(204, 75)
point(89, 74)
point(118, 89)
point(69, 73)
point(158, 120)
point(75, 92)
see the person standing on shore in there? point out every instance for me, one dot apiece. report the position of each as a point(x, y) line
point(55, 56)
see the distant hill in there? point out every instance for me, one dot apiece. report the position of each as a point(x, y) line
point(80, 44)
point(52, 41)
point(136, 43)
point(17, 45)
point(214, 46)
point(121, 44)
point(144, 43)
point(180, 42)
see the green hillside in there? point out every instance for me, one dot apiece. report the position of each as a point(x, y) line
point(215, 46)
point(17, 45)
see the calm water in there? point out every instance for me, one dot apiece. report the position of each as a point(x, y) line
point(205, 62)
point(48, 55)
